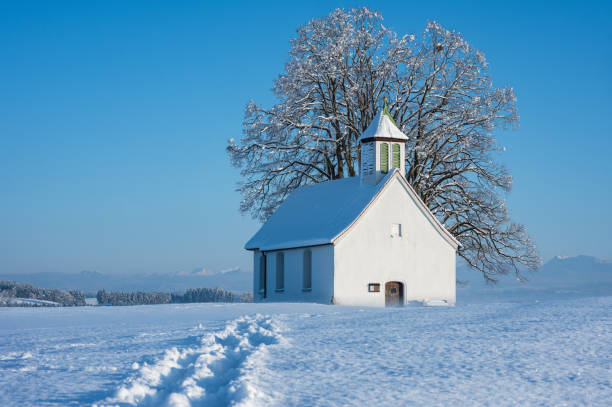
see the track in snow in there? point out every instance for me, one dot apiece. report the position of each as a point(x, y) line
point(219, 372)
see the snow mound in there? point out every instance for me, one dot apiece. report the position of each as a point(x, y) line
point(219, 372)
point(29, 302)
point(16, 356)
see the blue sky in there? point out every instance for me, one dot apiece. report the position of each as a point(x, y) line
point(114, 117)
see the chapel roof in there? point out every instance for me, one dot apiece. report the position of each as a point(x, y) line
point(320, 213)
point(315, 214)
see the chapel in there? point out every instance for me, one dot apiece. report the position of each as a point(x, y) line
point(367, 240)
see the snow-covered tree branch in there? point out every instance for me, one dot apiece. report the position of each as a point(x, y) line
point(441, 97)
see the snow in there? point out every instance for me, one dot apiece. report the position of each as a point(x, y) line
point(212, 373)
point(306, 217)
point(28, 302)
point(500, 353)
point(382, 126)
point(91, 301)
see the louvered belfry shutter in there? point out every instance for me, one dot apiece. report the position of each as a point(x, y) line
point(384, 158)
point(396, 155)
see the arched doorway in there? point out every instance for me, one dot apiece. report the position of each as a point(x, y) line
point(394, 294)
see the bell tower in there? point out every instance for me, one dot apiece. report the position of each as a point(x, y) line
point(383, 148)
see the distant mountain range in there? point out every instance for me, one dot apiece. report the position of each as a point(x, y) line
point(559, 277)
point(92, 281)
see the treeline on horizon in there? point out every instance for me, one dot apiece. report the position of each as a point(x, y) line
point(11, 290)
point(12, 293)
point(190, 296)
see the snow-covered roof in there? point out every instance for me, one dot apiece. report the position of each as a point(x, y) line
point(320, 213)
point(315, 214)
point(383, 126)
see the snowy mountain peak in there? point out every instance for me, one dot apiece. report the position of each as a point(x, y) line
point(581, 259)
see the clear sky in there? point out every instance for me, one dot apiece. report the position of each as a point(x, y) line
point(114, 117)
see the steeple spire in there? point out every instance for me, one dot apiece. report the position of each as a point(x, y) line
point(383, 147)
point(387, 112)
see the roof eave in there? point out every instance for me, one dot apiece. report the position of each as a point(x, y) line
point(291, 245)
point(379, 138)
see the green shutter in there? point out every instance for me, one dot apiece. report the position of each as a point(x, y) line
point(396, 155)
point(384, 158)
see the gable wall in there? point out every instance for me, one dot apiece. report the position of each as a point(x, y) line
point(322, 275)
point(421, 258)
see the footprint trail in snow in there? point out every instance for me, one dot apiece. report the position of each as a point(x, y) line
point(221, 371)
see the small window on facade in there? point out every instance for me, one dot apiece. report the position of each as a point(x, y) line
point(280, 271)
point(396, 155)
point(373, 288)
point(307, 276)
point(384, 158)
point(396, 230)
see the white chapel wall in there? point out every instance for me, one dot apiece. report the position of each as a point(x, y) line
point(322, 275)
point(421, 258)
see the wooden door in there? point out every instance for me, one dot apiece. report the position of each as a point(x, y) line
point(393, 294)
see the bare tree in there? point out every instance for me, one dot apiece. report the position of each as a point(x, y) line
point(440, 96)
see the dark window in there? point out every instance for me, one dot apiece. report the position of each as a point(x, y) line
point(262, 274)
point(280, 271)
point(374, 288)
point(307, 276)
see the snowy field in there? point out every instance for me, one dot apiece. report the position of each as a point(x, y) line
point(525, 353)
